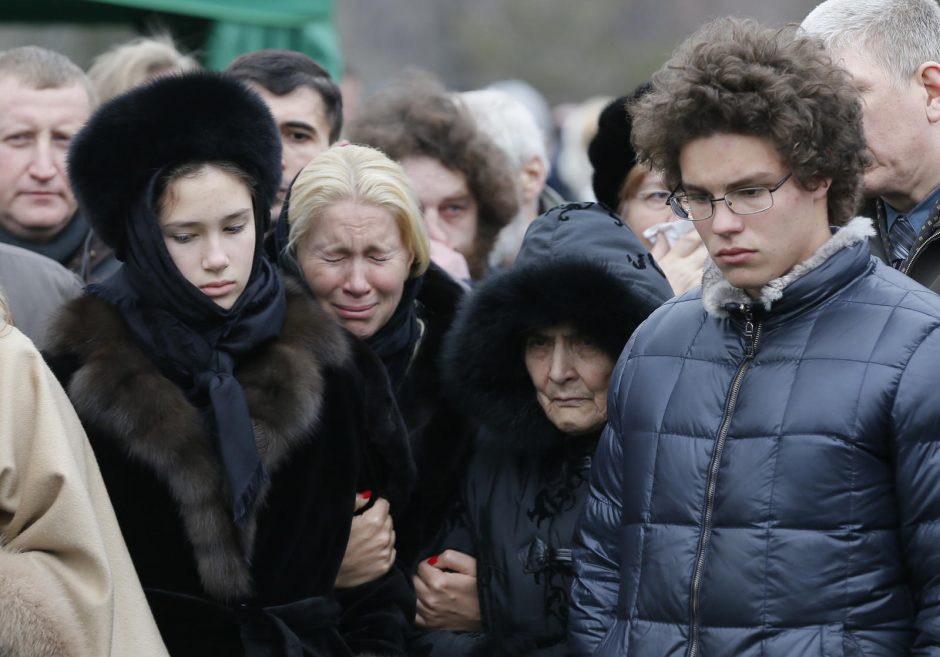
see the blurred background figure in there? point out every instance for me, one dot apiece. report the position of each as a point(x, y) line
point(305, 101)
point(129, 64)
point(640, 196)
point(531, 354)
point(577, 125)
point(463, 180)
point(511, 126)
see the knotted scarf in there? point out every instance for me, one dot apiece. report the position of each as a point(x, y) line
point(197, 343)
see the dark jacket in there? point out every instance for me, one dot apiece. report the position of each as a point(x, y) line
point(923, 262)
point(769, 480)
point(267, 584)
point(35, 287)
point(77, 248)
point(441, 436)
point(579, 266)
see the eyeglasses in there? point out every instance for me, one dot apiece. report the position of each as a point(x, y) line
point(747, 200)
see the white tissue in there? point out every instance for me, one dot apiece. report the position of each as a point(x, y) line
point(671, 230)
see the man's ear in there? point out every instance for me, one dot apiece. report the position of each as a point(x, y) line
point(532, 178)
point(928, 74)
point(822, 188)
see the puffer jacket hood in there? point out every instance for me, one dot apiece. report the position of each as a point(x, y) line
point(579, 266)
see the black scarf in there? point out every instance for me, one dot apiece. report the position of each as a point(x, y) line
point(195, 342)
point(61, 248)
point(394, 343)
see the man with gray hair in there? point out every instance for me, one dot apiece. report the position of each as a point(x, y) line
point(44, 100)
point(891, 48)
point(513, 128)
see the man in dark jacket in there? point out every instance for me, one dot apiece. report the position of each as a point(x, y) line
point(891, 48)
point(44, 100)
point(769, 481)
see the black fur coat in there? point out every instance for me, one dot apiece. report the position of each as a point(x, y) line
point(324, 420)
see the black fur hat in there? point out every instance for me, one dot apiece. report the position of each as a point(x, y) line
point(579, 266)
point(173, 120)
point(611, 151)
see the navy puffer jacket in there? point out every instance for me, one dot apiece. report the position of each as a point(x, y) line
point(769, 481)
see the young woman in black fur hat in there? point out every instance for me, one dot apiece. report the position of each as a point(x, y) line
point(229, 413)
point(530, 355)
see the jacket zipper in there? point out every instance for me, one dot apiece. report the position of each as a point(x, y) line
point(752, 333)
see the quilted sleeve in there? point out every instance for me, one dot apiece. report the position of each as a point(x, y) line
point(916, 425)
point(596, 582)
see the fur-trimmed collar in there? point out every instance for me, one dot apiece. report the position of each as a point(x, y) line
point(717, 291)
point(119, 393)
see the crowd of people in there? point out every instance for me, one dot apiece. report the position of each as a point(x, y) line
point(272, 385)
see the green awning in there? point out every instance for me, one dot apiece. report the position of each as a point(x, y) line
point(238, 26)
point(277, 13)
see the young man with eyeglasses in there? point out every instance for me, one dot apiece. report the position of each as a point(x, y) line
point(769, 480)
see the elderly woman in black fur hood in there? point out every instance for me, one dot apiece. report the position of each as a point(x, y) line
point(228, 412)
point(531, 354)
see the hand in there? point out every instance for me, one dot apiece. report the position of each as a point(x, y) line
point(370, 551)
point(450, 261)
point(446, 587)
point(683, 263)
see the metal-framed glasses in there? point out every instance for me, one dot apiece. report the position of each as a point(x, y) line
point(747, 200)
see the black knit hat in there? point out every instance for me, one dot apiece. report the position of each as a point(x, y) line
point(610, 151)
point(194, 117)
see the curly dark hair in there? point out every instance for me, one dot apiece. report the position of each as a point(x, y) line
point(415, 116)
point(735, 76)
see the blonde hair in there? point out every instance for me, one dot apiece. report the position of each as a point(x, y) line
point(364, 175)
point(130, 64)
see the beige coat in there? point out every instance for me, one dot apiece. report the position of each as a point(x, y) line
point(67, 584)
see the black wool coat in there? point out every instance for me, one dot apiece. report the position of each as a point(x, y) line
point(323, 420)
point(441, 436)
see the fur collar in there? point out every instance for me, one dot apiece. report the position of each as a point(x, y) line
point(717, 291)
point(119, 392)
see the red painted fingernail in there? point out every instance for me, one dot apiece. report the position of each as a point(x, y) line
point(433, 560)
point(366, 494)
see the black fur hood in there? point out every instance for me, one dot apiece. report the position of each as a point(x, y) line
point(195, 117)
point(579, 265)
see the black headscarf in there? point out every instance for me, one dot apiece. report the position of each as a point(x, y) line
point(196, 342)
point(395, 342)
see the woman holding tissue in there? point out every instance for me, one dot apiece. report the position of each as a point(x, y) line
point(639, 196)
